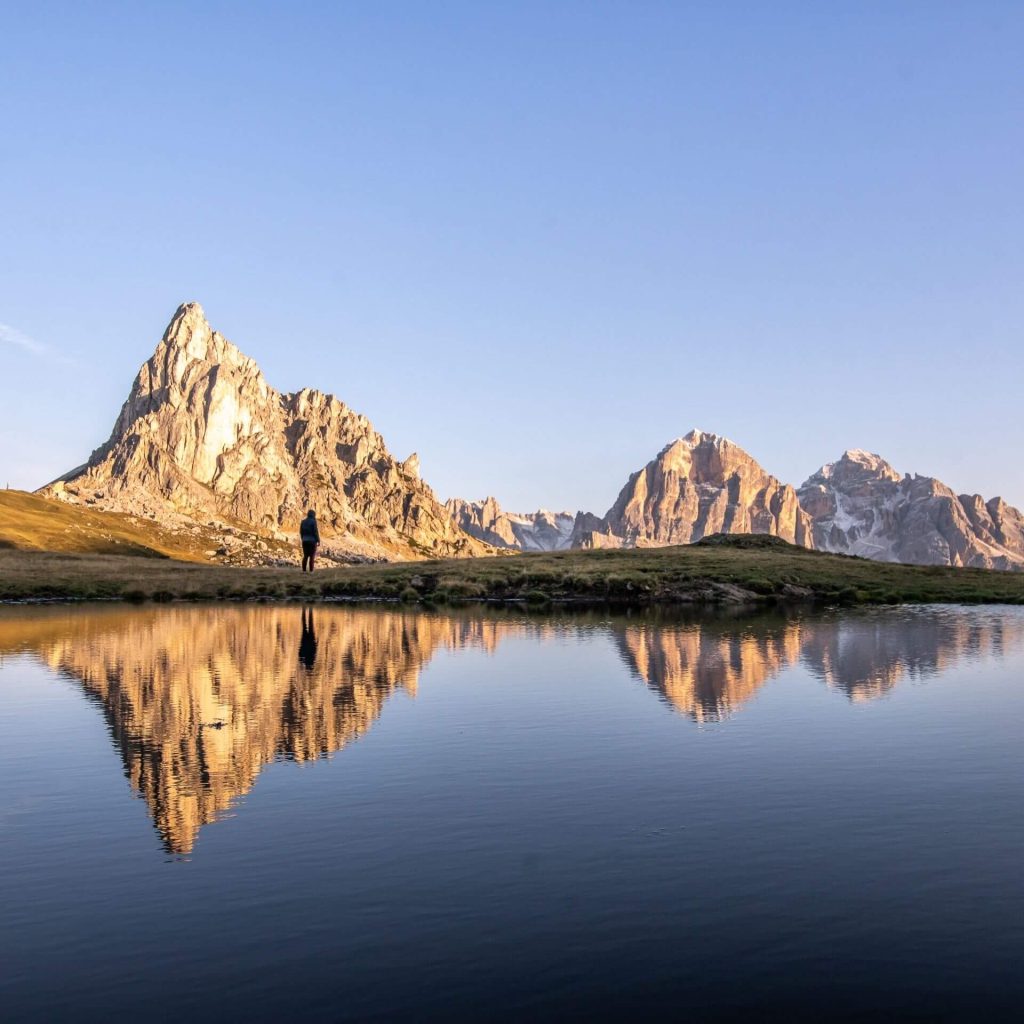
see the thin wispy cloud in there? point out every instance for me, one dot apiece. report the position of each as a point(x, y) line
point(19, 339)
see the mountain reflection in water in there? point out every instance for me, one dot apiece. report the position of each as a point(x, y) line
point(199, 699)
point(708, 670)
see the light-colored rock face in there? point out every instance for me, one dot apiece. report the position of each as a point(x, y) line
point(204, 435)
point(861, 506)
point(204, 439)
point(696, 486)
point(530, 531)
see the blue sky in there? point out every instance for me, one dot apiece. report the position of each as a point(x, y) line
point(531, 241)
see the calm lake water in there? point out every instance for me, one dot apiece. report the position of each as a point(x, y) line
point(266, 813)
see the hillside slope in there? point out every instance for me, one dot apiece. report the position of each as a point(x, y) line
point(30, 522)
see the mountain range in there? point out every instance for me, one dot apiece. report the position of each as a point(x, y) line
point(204, 440)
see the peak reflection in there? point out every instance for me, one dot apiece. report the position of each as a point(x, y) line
point(706, 671)
point(198, 699)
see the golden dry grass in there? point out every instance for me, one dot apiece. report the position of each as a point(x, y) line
point(31, 523)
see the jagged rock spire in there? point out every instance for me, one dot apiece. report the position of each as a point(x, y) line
point(203, 434)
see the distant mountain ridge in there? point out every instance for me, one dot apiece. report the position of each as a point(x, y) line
point(703, 484)
point(203, 442)
point(695, 486)
point(527, 531)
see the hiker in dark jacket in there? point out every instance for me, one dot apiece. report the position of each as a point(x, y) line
point(310, 536)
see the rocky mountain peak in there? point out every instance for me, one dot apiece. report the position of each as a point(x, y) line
point(189, 332)
point(697, 485)
point(860, 461)
point(203, 435)
point(188, 317)
point(860, 505)
point(697, 437)
point(694, 439)
point(189, 351)
point(855, 468)
point(411, 466)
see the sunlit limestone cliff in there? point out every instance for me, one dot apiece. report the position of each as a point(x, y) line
point(698, 485)
point(860, 505)
point(203, 436)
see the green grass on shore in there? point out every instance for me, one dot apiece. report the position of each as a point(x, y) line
point(729, 569)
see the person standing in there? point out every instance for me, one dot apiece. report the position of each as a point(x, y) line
point(309, 534)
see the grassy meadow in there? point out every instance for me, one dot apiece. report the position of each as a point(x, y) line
point(718, 570)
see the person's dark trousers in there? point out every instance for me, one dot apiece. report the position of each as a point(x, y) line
point(308, 554)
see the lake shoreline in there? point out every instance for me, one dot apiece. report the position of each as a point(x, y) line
point(733, 570)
